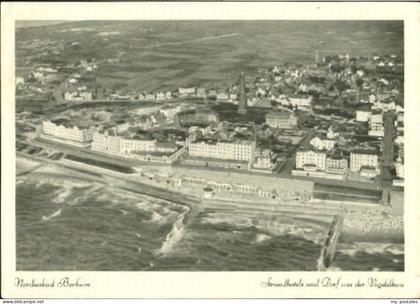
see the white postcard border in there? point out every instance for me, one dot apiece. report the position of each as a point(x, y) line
point(209, 284)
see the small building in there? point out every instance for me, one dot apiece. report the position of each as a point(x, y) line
point(376, 125)
point(201, 93)
point(301, 102)
point(160, 96)
point(168, 95)
point(149, 96)
point(19, 80)
point(222, 96)
point(332, 133)
point(78, 96)
point(362, 116)
point(399, 167)
point(320, 143)
point(263, 159)
point(186, 92)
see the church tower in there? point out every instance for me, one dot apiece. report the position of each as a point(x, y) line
point(242, 106)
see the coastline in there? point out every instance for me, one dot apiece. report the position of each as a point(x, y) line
point(318, 216)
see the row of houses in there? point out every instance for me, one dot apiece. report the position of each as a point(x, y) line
point(320, 164)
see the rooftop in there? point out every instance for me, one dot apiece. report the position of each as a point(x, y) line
point(365, 151)
point(153, 153)
point(67, 123)
point(278, 114)
point(215, 142)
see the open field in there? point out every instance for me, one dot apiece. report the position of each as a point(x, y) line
point(167, 54)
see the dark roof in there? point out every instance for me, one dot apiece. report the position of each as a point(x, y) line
point(61, 121)
point(166, 145)
point(278, 114)
point(67, 123)
point(365, 151)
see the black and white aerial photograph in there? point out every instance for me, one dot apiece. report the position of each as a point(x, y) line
point(209, 145)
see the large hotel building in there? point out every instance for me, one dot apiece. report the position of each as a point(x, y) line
point(239, 150)
point(363, 159)
point(311, 160)
point(63, 129)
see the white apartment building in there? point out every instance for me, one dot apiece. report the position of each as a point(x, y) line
point(61, 129)
point(399, 140)
point(360, 159)
point(149, 96)
point(121, 127)
point(38, 75)
point(78, 96)
point(109, 141)
point(399, 168)
point(160, 96)
point(233, 96)
point(311, 160)
point(238, 150)
point(128, 145)
point(336, 165)
point(383, 106)
point(186, 91)
point(104, 142)
point(376, 126)
point(362, 116)
point(19, 80)
point(322, 143)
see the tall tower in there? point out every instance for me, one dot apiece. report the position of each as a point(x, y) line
point(242, 95)
point(317, 56)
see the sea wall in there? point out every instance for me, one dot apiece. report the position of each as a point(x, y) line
point(284, 188)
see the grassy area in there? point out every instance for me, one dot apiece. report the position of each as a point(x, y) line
point(229, 112)
point(346, 190)
point(102, 164)
point(345, 198)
